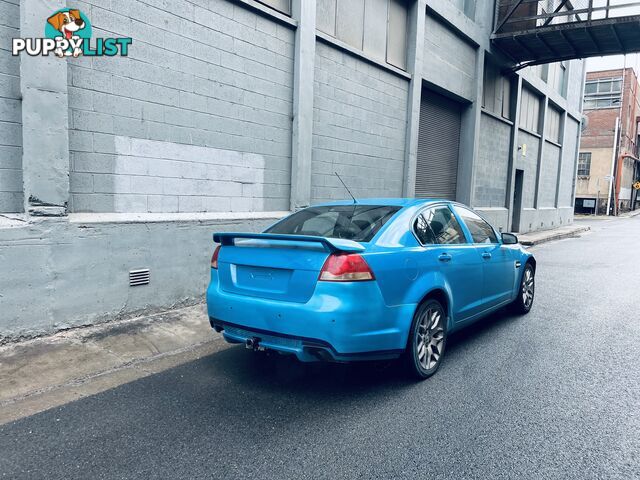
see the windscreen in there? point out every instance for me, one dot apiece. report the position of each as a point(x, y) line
point(359, 223)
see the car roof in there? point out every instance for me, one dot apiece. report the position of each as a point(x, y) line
point(395, 202)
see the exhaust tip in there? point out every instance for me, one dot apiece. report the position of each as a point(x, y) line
point(254, 344)
point(320, 353)
point(216, 326)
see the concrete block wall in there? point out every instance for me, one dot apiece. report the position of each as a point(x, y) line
point(554, 198)
point(490, 186)
point(359, 127)
point(451, 62)
point(11, 198)
point(196, 119)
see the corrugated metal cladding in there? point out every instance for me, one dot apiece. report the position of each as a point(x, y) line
point(438, 146)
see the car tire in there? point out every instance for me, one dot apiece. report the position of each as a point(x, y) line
point(526, 291)
point(427, 340)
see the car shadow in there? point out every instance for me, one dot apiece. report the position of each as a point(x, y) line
point(477, 330)
point(235, 379)
point(273, 371)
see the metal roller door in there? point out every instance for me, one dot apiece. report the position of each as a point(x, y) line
point(438, 146)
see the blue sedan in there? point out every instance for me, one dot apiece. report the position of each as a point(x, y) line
point(367, 280)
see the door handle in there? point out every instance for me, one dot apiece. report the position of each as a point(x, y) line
point(486, 255)
point(445, 257)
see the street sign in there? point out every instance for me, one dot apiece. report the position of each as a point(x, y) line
point(636, 185)
point(608, 177)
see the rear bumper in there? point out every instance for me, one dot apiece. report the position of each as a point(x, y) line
point(340, 322)
point(306, 349)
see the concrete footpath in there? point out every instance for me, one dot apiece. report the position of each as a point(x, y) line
point(39, 374)
point(536, 238)
point(579, 227)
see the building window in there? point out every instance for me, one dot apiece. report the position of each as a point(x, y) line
point(470, 9)
point(543, 70)
point(529, 111)
point(283, 6)
point(496, 91)
point(553, 124)
point(376, 27)
point(467, 6)
point(397, 34)
point(584, 164)
point(554, 75)
point(603, 93)
point(560, 85)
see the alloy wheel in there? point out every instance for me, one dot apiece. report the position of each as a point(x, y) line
point(430, 338)
point(528, 287)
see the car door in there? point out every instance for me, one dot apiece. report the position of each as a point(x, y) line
point(497, 261)
point(448, 252)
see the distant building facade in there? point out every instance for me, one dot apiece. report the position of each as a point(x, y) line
point(609, 166)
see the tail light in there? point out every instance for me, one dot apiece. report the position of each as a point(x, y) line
point(214, 257)
point(346, 268)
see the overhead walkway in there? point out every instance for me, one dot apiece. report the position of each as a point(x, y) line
point(533, 32)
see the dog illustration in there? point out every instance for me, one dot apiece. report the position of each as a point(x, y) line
point(67, 23)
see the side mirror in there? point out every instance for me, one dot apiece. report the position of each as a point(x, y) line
point(509, 239)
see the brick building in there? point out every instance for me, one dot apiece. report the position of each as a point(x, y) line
point(227, 115)
point(608, 166)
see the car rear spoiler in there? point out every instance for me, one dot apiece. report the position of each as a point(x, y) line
point(333, 245)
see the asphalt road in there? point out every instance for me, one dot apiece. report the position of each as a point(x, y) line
point(555, 394)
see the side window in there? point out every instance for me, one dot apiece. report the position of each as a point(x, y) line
point(481, 231)
point(438, 226)
point(423, 231)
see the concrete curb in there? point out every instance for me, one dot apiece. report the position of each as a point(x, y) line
point(530, 240)
point(635, 213)
point(580, 218)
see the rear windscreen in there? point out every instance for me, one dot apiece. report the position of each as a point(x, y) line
point(359, 223)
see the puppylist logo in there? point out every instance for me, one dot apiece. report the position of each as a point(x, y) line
point(68, 34)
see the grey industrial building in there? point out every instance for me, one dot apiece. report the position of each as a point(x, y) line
point(226, 115)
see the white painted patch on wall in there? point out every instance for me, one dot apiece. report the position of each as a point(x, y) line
point(149, 176)
point(172, 177)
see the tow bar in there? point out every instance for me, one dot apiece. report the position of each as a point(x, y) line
point(254, 344)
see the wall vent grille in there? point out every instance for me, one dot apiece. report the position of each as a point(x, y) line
point(139, 277)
